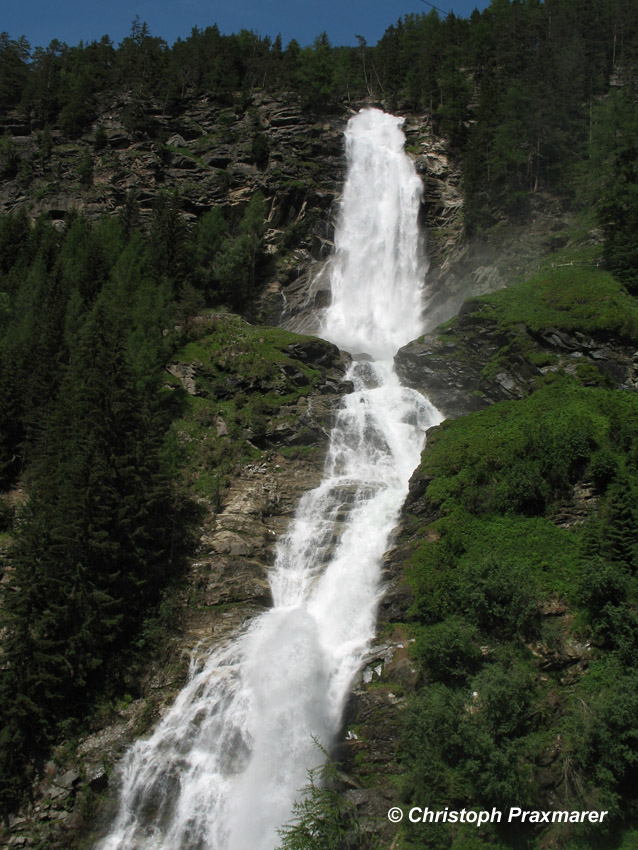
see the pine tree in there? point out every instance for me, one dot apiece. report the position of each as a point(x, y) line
point(236, 262)
point(316, 78)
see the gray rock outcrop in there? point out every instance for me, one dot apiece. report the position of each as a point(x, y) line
point(476, 362)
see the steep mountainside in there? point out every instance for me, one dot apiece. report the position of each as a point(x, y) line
point(216, 156)
point(256, 405)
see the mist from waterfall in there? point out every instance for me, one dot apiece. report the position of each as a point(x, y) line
point(225, 765)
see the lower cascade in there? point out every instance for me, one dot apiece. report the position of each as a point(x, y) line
point(225, 765)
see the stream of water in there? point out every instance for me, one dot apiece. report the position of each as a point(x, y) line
point(225, 765)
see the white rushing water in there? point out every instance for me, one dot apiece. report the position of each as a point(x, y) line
point(223, 768)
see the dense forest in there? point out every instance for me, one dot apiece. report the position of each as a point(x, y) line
point(538, 101)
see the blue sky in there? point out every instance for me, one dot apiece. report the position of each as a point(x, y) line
point(75, 20)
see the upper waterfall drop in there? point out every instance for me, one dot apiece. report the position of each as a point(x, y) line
point(379, 265)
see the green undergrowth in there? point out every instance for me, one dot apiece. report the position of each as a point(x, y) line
point(526, 633)
point(522, 456)
point(533, 548)
point(229, 345)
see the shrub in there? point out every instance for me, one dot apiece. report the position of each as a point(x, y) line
point(499, 597)
point(448, 650)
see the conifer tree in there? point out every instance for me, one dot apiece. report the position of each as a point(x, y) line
point(620, 529)
point(236, 263)
point(168, 243)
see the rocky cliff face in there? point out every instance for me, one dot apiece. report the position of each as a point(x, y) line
point(475, 362)
point(206, 152)
point(214, 155)
point(221, 155)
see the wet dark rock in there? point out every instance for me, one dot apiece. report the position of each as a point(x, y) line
point(294, 375)
point(96, 777)
point(317, 352)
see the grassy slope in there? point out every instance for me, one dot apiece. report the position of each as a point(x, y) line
point(570, 298)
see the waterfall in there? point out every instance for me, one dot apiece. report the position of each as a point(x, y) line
point(224, 766)
point(378, 269)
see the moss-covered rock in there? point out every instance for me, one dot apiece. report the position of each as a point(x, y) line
point(576, 320)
